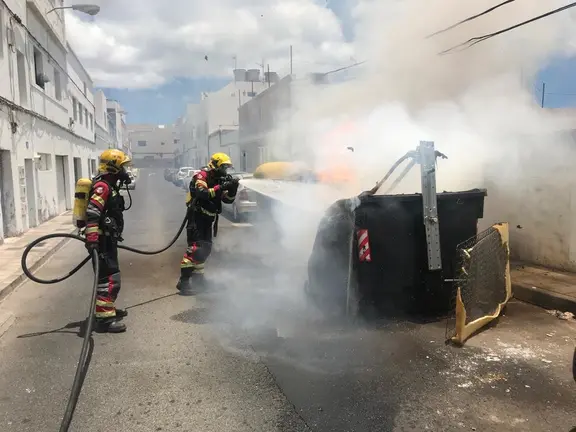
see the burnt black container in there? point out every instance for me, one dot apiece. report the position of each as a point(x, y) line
point(396, 281)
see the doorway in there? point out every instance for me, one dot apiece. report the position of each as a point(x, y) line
point(31, 192)
point(7, 204)
point(77, 169)
point(244, 164)
point(61, 182)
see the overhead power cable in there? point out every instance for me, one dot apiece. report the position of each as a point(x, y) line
point(475, 40)
point(473, 17)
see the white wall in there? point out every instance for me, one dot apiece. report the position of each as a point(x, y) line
point(219, 110)
point(30, 190)
point(226, 141)
point(534, 190)
point(159, 141)
point(37, 137)
point(188, 134)
point(100, 116)
point(81, 98)
point(55, 19)
point(45, 101)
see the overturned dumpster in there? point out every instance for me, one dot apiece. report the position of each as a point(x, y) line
point(401, 255)
point(377, 253)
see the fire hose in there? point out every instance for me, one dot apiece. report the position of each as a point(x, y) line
point(78, 378)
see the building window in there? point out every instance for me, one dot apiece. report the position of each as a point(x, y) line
point(142, 144)
point(45, 162)
point(80, 113)
point(263, 154)
point(39, 68)
point(22, 82)
point(85, 89)
point(1, 33)
point(57, 85)
point(176, 140)
point(75, 108)
point(86, 116)
point(91, 122)
point(162, 143)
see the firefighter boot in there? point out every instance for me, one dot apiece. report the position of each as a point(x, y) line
point(190, 283)
point(109, 325)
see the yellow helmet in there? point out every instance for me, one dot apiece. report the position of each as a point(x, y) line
point(112, 161)
point(220, 162)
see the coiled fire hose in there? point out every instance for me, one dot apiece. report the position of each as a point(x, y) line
point(82, 362)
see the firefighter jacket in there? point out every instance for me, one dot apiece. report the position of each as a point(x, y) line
point(206, 193)
point(104, 215)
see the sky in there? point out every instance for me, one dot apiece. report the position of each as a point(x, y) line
point(155, 58)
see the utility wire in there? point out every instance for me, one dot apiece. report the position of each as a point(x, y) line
point(19, 21)
point(471, 18)
point(475, 40)
point(345, 67)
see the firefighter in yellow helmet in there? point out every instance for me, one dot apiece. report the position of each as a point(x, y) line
point(104, 226)
point(211, 186)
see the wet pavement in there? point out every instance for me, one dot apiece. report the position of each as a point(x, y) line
point(250, 354)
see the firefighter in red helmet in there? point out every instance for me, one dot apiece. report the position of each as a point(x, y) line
point(209, 188)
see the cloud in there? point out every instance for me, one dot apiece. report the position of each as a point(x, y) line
point(145, 43)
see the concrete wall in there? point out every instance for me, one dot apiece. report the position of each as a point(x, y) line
point(188, 135)
point(226, 141)
point(38, 144)
point(100, 113)
point(80, 98)
point(55, 19)
point(159, 141)
point(41, 155)
point(217, 111)
point(535, 192)
point(258, 118)
point(45, 101)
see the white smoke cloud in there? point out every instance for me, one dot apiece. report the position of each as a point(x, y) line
point(476, 104)
point(468, 101)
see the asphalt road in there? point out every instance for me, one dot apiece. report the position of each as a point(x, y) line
point(251, 355)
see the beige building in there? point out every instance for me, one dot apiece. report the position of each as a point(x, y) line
point(153, 144)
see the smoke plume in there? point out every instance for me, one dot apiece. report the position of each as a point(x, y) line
point(476, 104)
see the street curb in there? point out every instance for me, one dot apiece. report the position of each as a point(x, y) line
point(4, 292)
point(6, 321)
point(543, 298)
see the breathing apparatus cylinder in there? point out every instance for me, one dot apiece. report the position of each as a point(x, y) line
point(81, 197)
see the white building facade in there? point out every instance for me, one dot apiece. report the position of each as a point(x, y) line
point(116, 120)
point(154, 145)
point(47, 131)
point(103, 137)
point(212, 124)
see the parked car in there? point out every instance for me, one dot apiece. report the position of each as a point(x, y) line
point(169, 174)
point(179, 176)
point(245, 202)
point(132, 185)
point(186, 180)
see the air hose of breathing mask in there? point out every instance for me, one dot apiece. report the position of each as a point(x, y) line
point(84, 353)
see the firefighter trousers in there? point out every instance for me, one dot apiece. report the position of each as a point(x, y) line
point(108, 278)
point(199, 240)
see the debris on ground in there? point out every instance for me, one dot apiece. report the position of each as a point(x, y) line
point(566, 316)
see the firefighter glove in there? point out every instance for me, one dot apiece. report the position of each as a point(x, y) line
point(234, 187)
point(227, 185)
